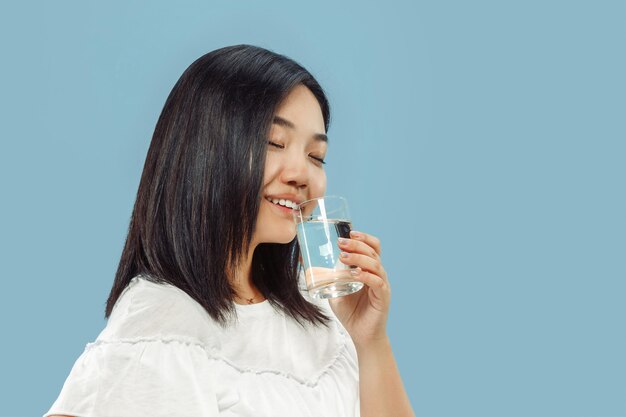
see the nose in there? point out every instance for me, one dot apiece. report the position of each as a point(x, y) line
point(295, 171)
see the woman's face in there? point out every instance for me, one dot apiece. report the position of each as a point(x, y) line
point(293, 171)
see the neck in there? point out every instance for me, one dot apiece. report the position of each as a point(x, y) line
point(241, 279)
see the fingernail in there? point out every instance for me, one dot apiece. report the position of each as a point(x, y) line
point(342, 241)
point(355, 234)
point(344, 255)
point(355, 272)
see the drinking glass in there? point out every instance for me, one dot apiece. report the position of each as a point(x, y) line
point(319, 224)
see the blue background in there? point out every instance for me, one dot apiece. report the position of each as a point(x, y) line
point(482, 141)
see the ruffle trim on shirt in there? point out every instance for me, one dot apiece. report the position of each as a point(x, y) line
point(212, 353)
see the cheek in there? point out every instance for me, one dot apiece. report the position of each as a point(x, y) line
point(270, 169)
point(318, 184)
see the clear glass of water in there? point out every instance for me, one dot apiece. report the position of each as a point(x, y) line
point(320, 222)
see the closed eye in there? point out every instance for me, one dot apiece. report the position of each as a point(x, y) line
point(279, 146)
point(317, 159)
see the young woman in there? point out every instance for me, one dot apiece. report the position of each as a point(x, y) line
point(208, 315)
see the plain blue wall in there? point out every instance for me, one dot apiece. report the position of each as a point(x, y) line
point(482, 141)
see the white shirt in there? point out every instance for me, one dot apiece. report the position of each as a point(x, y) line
point(161, 354)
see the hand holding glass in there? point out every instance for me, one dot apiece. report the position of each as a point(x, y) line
point(320, 223)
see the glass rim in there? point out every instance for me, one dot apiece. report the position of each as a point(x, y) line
point(345, 200)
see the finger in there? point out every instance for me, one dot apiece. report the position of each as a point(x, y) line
point(369, 279)
point(378, 290)
point(373, 241)
point(353, 245)
point(365, 262)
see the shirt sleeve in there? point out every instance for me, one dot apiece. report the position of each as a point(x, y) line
point(139, 378)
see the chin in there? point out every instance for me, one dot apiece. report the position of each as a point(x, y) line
point(282, 238)
point(287, 238)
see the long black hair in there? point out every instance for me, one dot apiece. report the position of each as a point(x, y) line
point(201, 185)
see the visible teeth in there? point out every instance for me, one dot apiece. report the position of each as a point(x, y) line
point(283, 202)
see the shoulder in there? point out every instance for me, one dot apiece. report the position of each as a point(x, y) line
point(147, 310)
point(150, 360)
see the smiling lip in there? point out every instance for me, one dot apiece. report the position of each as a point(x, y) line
point(284, 210)
point(291, 197)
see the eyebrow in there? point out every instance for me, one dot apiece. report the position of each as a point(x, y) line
point(286, 123)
